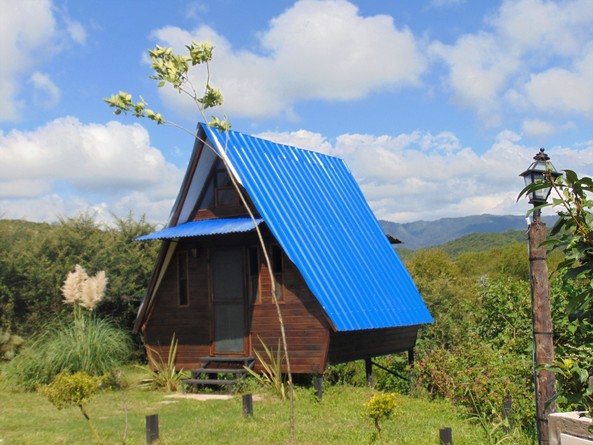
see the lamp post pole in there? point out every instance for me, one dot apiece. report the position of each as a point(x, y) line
point(543, 345)
point(541, 313)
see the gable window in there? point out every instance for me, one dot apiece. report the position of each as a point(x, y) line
point(253, 269)
point(277, 270)
point(182, 280)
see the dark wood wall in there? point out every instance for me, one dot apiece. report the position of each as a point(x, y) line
point(190, 324)
point(307, 329)
point(356, 345)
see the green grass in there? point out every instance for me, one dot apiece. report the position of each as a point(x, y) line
point(28, 418)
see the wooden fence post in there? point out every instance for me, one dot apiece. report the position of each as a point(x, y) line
point(152, 429)
point(247, 405)
point(446, 436)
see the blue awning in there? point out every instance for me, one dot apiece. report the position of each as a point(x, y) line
point(204, 227)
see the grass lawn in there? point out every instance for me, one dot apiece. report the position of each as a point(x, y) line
point(28, 418)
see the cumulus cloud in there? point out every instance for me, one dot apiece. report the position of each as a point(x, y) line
point(313, 50)
point(424, 176)
point(520, 59)
point(105, 167)
point(30, 34)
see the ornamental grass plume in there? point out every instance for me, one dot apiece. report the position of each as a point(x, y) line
point(80, 289)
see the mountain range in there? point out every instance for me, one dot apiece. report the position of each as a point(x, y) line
point(419, 234)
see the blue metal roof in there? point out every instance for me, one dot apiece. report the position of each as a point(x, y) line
point(204, 227)
point(318, 214)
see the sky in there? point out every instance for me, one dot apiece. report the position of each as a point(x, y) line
point(436, 106)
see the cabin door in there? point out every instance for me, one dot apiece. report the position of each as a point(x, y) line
point(228, 300)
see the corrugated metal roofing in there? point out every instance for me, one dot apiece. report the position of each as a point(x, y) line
point(204, 227)
point(316, 211)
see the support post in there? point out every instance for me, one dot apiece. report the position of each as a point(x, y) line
point(368, 366)
point(152, 429)
point(318, 384)
point(411, 358)
point(543, 345)
point(247, 405)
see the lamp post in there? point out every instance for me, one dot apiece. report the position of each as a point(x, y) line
point(540, 171)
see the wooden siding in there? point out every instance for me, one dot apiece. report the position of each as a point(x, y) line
point(356, 345)
point(307, 329)
point(191, 323)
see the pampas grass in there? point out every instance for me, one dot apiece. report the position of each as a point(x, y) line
point(88, 344)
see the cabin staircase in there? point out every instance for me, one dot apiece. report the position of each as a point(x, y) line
point(219, 372)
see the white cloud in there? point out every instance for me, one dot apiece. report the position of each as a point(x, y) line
point(76, 31)
point(564, 90)
point(30, 35)
point(110, 167)
point(314, 50)
point(46, 94)
point(531, 53)
point(27, 29)
point(421, 176)
point(538, 127)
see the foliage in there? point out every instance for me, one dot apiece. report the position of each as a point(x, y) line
point(271, 375)
point(87, 344)
point(498, 430)
point(37, 256)
point(576, 393)
point(504, 315)
point(164, 376)
point(173, 69)
point(477, 377)
point(382, 406)
point(73, 390)
point(9, 345)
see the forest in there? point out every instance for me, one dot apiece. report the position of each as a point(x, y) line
point(477, 354)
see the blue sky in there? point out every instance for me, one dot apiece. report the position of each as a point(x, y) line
point(435, 106)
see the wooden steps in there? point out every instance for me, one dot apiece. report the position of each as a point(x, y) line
point(219, 372)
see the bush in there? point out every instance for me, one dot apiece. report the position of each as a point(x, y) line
point(479, 378)
point(88, 344)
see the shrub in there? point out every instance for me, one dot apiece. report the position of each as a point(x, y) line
point(479, 378)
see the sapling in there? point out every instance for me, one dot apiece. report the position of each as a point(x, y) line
point(381, 407)
point(173, 69)
point(73, 390)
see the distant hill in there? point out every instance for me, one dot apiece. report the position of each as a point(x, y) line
point(419, 234)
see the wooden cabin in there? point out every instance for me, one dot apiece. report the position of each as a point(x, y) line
point(344, 293)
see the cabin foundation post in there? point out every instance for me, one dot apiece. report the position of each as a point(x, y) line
point(318, 385)
point(411, 358)
point(368, 367)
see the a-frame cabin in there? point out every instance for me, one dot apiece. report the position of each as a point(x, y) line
point(344, 293)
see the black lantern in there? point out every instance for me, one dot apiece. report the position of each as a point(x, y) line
point(536, 173)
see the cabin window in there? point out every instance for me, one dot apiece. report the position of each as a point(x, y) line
point(182, 279)
point(253, 278)
point(277, 269)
